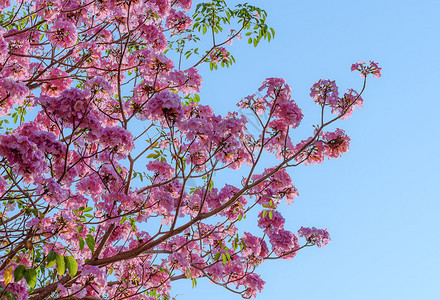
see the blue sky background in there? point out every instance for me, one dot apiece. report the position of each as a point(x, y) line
point(380, 201)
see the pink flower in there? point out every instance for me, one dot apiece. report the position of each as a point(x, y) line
point(319, 237)
point(63, 34)
point(312, 152)
point(275, 188)
point(23, 156)
point(336, 143)
point(154, 37)
point(288, 112)
point(253, 284)
point(178, 21)
point(325, 92)
point(269, 224)
point(90, 185)
point(99, 281)
point(165, 108)
point(347, 104)
point(373, 68)
point(184, 4)
point(52, 191)
point(193, 82)
point(48, 9)
point(219, 55)
point(3, 186)
point(284, 243)
point(3, 46)
point(71, 106)
point(57, 81)
point(118, 139)
point(11, 93)
point(161, 168)
point(256, 249)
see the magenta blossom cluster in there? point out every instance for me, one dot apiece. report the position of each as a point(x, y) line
point(373, 68)
point(319, 237)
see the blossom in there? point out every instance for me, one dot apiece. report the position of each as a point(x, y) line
point(71, 106)
point(319, 237)
point(24, 157)
point(11, 93)
point(256, 248)
point(99, 278)
point(118, 139)
point(325, 92)
point(161, 168)
point(219, 55)
point(165, 108)
point(3, 186)
point(373, 68)
point(253, 284)
point(268, 223)
point(184, 4)
point(347, 104)
point(63, 34)
point(335, 143)
point(48, 9)
point(4, 4)
point(310, 152)
point(276, 187)
point(284, 243)
point(56, 81)
point(154, 37)
point(178, 21)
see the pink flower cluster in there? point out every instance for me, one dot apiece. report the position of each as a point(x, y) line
point(275, 188)
point(11, 93)
point(330, 145)
point(319, 237)
point(325, 92)
point(161, 168)
point(219, 55)
point(178, 21)
point(63, 34)
point(165, 108)
point(373, 68)
point(56, 81)
point(25, 158)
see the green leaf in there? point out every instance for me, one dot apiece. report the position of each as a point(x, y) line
point(87, 209)
point(133, 224)
point(264, 213)
point(71, 265)
point(81, 243)
point(224, 259)
point(217, 256)
point(31, 277)
point(228, 256)
point(270, 215)
point(61, 266)
point(80, 227)
point(19, 273)
point(51, 259)
point(90, 242)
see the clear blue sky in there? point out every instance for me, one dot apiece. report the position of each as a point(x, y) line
point(380, 201)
